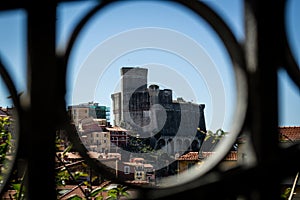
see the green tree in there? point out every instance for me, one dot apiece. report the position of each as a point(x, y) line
point(5, 142)
point(219, 134)
point(117, 193)
point(5, 137)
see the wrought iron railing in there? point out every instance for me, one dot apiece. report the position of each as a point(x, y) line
point(256, 62)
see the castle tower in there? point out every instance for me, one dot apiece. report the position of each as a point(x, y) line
point(151, 111)
point(133, 80)
point(153, 94)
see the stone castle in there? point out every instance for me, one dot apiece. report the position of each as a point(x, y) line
point(152, 112)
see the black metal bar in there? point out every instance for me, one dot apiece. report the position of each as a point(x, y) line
point(264, 55)
point(13, 4)
point(41, 86)
point(20, 4)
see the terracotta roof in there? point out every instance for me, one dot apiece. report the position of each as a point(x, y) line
point(73, 155)
point(138, 182)
point(102, 156)
point(137, 160)
point(131, 163)
point(194, 155)
point(189, 156)
point(290, 133)
point(116, 128)
point(148, 166)
point(232, 155)
point(70, 155)
point(91, 127)
point(2, 113)
point(72, 190)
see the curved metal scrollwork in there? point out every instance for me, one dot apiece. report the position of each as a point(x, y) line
point(236, 54)
point(290, 64)
point(15, 99)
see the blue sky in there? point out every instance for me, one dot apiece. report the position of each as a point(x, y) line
point(194, 64)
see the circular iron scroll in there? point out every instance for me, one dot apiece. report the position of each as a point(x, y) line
point(289, 62)
point(238, 60)
point(15, 99)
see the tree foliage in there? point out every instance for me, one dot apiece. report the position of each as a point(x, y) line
point(219, 134)
point(5, 144)
point(5, 138)
point(116, 193)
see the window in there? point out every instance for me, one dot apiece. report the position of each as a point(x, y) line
point(139, 168)
point(126, 170)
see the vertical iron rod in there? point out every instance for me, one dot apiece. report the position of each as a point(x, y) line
point(263, 57)
point(41, 87)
